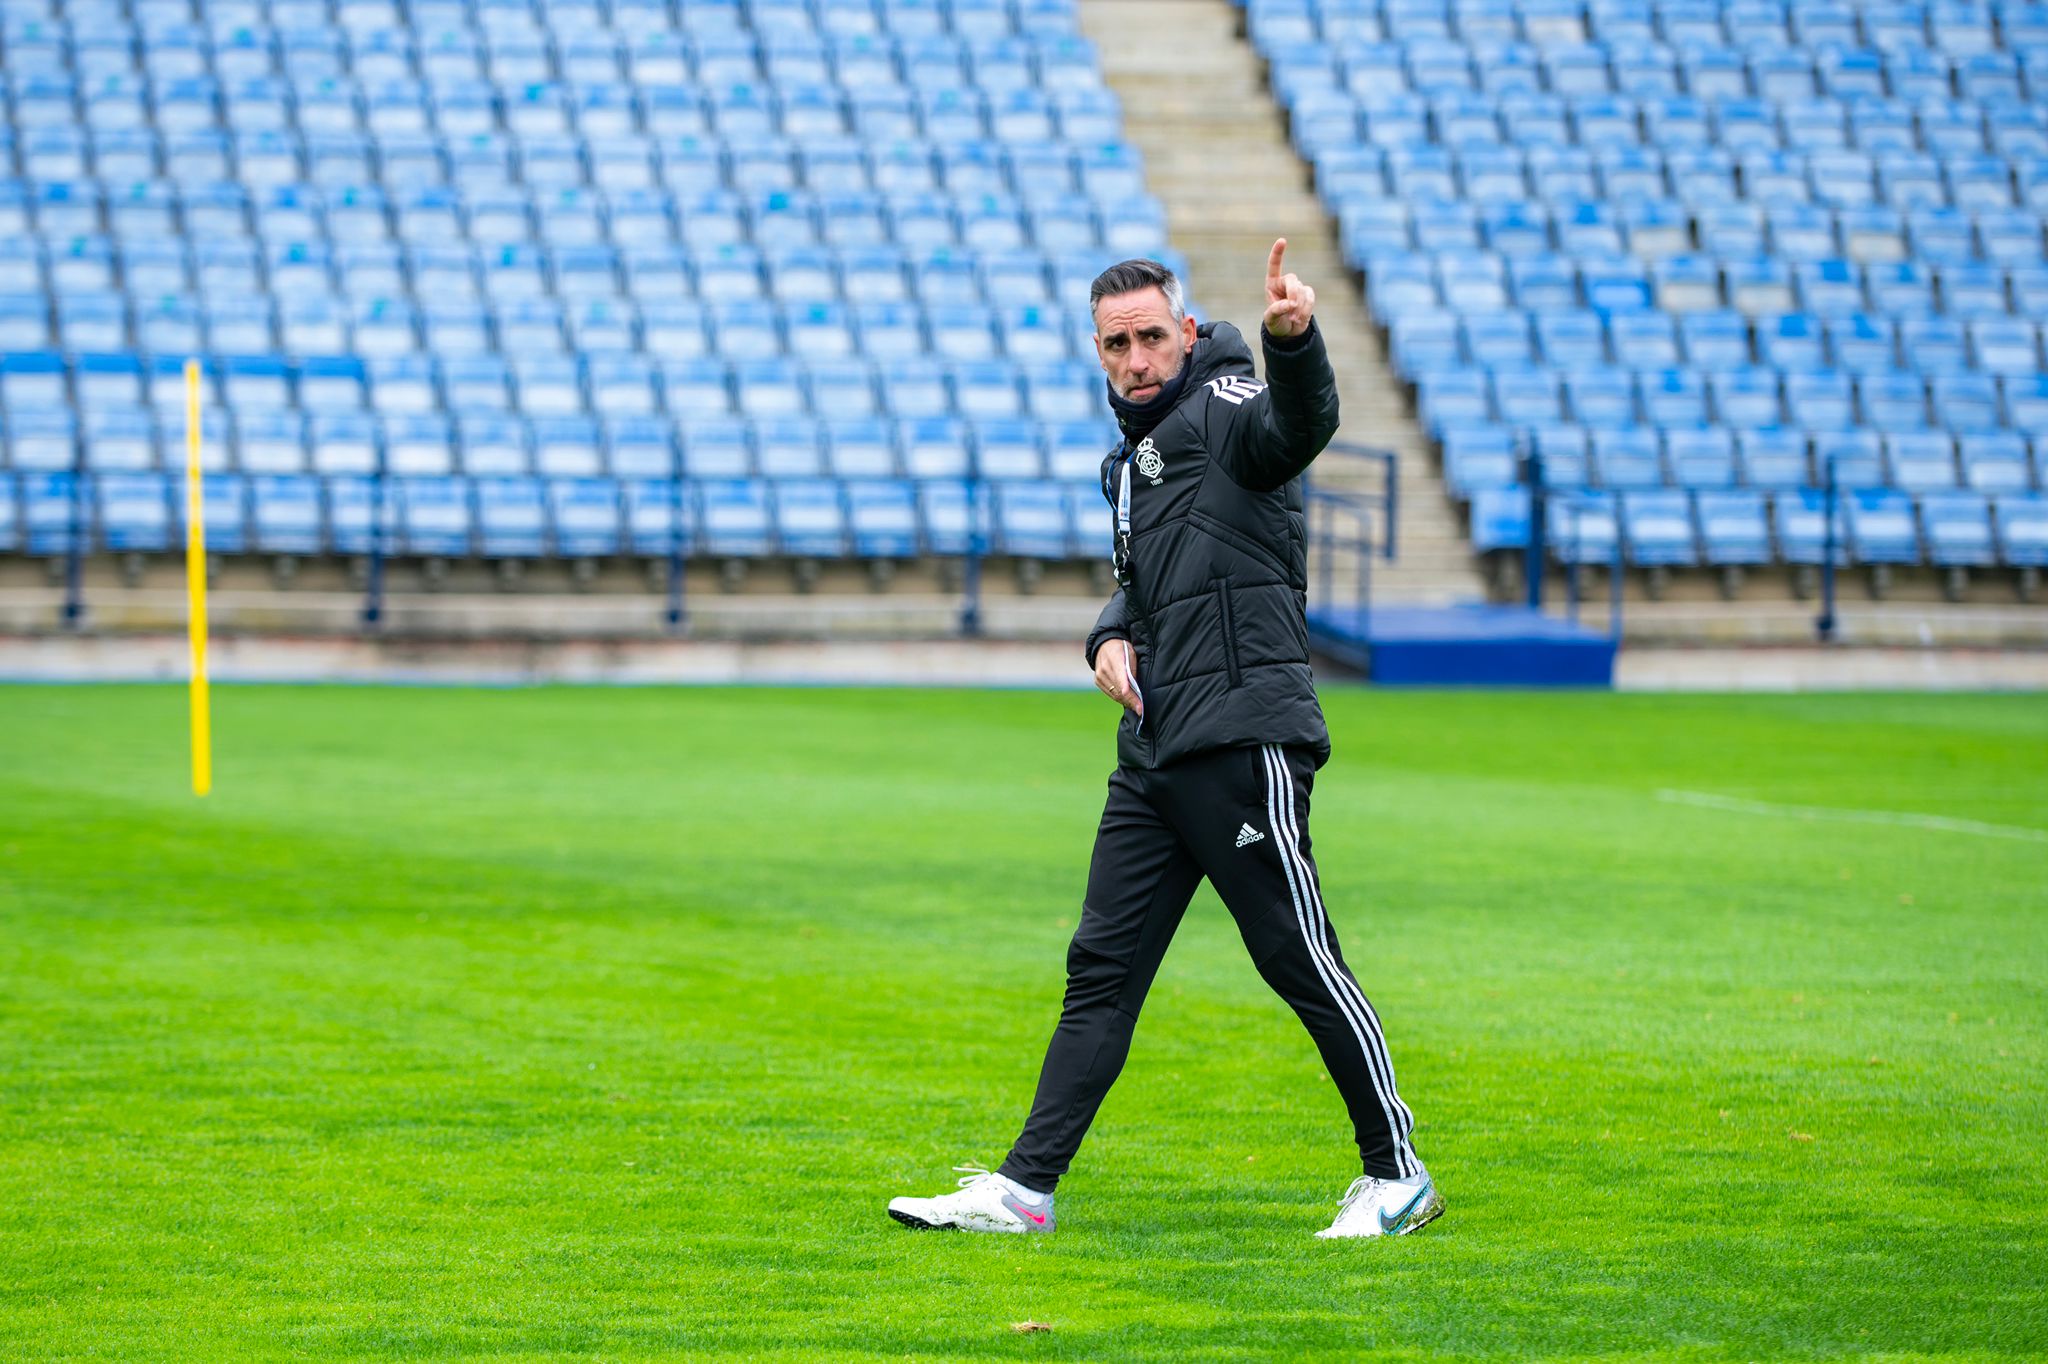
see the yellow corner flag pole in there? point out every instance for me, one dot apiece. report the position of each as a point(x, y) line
point(195, 587)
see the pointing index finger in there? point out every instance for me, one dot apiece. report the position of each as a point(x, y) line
point(1273, 261)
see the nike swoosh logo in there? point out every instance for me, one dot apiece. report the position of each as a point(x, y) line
point(1387, 1224)
point(1037, 1218)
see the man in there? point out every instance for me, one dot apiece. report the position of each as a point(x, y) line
point(1205, 646)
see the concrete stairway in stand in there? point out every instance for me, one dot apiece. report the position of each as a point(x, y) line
point(1216, 152)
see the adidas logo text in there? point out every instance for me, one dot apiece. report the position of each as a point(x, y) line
point(1248, 835)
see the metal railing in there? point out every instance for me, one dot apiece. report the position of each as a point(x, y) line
point(1372, 517)
point(1824, 624)
point(1329, 510)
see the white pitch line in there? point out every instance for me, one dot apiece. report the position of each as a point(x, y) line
point(1708, 801)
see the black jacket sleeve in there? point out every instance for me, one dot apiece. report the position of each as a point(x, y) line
point(1265, 440)
point(1114, 623)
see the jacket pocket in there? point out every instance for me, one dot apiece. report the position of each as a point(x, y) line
point(1243, 543)
point(1223, 607)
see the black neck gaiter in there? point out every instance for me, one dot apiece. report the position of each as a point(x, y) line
point(1138, 419)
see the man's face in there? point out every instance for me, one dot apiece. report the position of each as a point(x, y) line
point(1138, 343)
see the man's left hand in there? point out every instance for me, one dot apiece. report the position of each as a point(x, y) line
point(1290, 304)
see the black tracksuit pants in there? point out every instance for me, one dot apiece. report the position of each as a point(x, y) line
point(1240, 817)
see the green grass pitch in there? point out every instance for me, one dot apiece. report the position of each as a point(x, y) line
point(594, 1024)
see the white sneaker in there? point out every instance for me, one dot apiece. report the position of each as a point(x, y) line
point(986, 1202)
point(1386, 1207)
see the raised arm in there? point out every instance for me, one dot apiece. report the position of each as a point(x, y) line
point(1269, 437)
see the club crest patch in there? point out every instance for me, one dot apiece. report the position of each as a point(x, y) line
point(1149, 461)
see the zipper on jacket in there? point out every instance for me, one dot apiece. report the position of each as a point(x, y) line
point(1229, 633)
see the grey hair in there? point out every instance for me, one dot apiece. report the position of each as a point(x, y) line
point(1126, 276)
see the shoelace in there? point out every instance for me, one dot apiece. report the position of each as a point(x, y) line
point(1360, 1188)
point(970, 1175)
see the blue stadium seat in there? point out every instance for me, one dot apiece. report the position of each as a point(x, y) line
point(478, 381)
point(511, 518)
point(1477, 457)
point(882, 516)
point(1669, 397)
point(42, 439)
point(1856, 457)
point(1061, 392)
point(1772, 458)
point(435, 516)
point(1007, 448)
point(934, 448)
point(1453, 397)
point(1627, 458)
point(30, 379)
point(1572, 339)
point(585, 516)
point(1968, 403)
point(2022, 520)
point(1882, 527)
point(1791, 342)
point(1734, 529)
point(566, 447)
point(955, 516)
point(911, 389)
point(125, 437)
point(660, 517)
point(1957, 528)
point(1498, 340)
point(1801, 524)
point(286, 514)
point(738, 519)
point(330, 384)
point(1582, 527)
point(810, 516)
point(788, 447)
point(225, 507)
point(417, 443)
point(1996, 462)
point(1602, 397)
point(1937, 345)
point(134, 512)
point(717, 448)
point(640, 448)
point(858, 448)
point(985, 390)
point(10, 514)
point(1426, 341)
point(1500, 519)
point(1032, 521)
point(56, 510)
point(1657, 527)
point(1920, 461)
point(1565, 452)
point(1075, 450)
point(1700, 457)
point(1644, 340)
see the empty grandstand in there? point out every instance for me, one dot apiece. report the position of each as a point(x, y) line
point(1696, 257)
point(582, 292)
point(559, 280)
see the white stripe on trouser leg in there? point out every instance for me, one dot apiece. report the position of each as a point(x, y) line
point(1374, 1031)
point(1276, 777)
point(1380, 1063)
point(1384, 1070)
